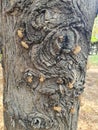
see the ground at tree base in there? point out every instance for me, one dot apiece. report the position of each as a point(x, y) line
point(88, 119)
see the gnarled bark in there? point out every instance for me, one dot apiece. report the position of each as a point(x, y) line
point(45, 50)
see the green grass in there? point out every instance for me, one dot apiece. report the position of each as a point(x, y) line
point(93, 60)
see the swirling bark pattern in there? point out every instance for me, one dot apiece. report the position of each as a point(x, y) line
point(52, 49)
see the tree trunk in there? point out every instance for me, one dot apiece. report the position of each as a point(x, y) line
point(45, 50)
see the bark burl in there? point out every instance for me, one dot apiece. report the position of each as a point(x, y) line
point(45, 50)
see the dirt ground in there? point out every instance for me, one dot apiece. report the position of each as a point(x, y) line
point(88, 119)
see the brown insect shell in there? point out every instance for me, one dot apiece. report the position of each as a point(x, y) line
point(42, 78)
point(57, 108)
point(29, 79)
point(20, 33)
point(24, 44)
point(77, 49)
point(70, 85)
point(72, 111)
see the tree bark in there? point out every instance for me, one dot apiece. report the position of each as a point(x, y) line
point(45, 50)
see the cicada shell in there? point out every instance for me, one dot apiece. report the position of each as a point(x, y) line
point(77, 49)
point(72, 111)
point(24, 44)
point(20, 33)
point(58, 108)
point(29, 79)
point(42, 78)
